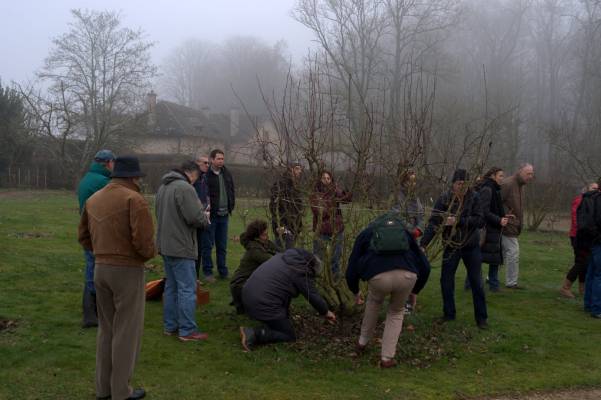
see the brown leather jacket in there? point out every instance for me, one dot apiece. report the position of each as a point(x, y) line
point(511, 192)
point(117, 226)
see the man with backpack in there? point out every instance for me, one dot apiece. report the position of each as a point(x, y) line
point(589, 234)
point(459, 214)
point(386, 255)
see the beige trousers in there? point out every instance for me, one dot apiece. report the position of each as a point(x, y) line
point(398, 284)
point(120, 301)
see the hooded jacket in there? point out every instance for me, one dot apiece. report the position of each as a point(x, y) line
point(179, 213)
point(97, 177)
point(269, 290)
point(257, 252)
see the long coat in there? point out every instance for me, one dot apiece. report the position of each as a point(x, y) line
point(325, 206)
point(492, 206)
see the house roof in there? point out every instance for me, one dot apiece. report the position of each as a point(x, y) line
point(174, 119)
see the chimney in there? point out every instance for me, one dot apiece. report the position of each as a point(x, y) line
point(234, 122)
point(152, 108)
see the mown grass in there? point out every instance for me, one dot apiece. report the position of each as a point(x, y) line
point(537, 340)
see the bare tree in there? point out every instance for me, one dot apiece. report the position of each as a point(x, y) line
point(98, 73)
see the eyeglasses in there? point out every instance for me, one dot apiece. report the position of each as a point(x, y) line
point(203, 162)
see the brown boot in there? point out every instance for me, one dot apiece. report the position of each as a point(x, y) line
point(581, 288)
point(566, 289)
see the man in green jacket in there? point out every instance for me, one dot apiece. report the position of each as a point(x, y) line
point(95, 179)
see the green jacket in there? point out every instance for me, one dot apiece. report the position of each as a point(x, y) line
point(179, 214)
point(95, 179)
point(256, 254)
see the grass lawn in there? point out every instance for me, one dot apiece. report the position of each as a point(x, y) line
point(537, 340)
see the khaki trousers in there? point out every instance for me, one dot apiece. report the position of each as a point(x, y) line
point(398, 284)
point(120, 301)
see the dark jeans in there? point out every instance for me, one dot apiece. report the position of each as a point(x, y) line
point(285, 241)
point(472, 259)
point(319, 249)
point(203, 239)
point(89, 272)
point(236, 292)
point(217, 236)
point(279, 330)
point(493, 278)
point(592, 288)
point(581, 257)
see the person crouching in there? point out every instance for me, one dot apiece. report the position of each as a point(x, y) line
point(269, 290)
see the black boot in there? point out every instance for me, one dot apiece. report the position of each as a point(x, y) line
point(90, 316)
point(247, 338)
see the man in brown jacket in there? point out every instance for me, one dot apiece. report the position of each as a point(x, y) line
point(117, 226)
point(511, 192)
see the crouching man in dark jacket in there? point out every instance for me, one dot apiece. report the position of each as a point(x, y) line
point(269, 290)
point(398, 274)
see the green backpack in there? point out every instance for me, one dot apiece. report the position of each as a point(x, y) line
point(389, 234)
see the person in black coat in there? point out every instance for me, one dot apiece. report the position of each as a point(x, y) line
point(398, 276)
point(494, 215)
point(222, 198)
point(267, 294)
point(287, 207)
point(459, 214)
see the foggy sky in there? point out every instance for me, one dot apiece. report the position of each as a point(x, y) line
point(28, 26)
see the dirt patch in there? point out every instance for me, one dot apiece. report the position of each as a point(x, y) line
point(29, 235)
point(421, 344)
point(590, 394)
point(7, 324)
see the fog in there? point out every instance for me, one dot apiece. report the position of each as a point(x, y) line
point(28, 26)
point(362, 85)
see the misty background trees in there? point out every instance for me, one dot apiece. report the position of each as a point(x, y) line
point(389, 85)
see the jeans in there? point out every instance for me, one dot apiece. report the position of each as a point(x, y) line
point(179, 297)
point(472, 258)
point(279, 330)
point(511, 256)
point(592, 287)
point(285, 241)
point(203, 239)
point(319, 249)
point(89, 273)
point(217, 236)
point(493, 276)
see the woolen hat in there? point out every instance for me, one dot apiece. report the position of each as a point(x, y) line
point(460, 175)
point(104, 156)
point(127, 167)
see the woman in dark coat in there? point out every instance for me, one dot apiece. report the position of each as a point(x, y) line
point(258, 250)
point(494, 215)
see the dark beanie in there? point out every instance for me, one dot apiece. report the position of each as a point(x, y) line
point(460, 175)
